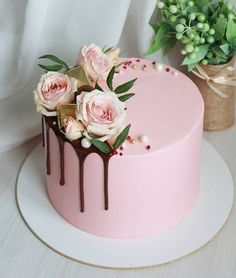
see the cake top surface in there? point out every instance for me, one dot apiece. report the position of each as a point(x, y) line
point(166, 107)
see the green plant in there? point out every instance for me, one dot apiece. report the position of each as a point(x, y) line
point(205, 29)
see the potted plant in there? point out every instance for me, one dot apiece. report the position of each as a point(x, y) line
point(206, 32)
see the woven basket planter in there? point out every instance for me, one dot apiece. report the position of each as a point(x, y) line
point(219, 111)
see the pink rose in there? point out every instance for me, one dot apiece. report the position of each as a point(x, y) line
point(96, 63)
point(53, 88)
point(101, 113)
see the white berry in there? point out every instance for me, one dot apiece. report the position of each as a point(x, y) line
point(123, 145)
point(159, 67)
point(86, 143)
point(175, 73)
point(144, 139)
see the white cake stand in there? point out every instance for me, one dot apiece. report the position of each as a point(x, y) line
point(204, 222)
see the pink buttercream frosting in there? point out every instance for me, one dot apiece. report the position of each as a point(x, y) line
point(150, 190)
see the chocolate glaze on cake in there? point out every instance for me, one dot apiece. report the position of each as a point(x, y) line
point(82, 154)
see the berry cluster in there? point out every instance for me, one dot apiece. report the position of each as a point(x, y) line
point(205, 29)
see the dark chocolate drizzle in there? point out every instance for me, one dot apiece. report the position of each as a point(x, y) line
point(43, 133)
point(48, 149)
point(105, 166)
point(82, 154)
point(62, 160)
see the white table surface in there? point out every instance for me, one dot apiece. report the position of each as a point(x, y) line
point(22, 255)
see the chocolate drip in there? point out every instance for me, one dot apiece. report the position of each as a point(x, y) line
point(48, 150)
point(105, 166)
point(81, 157)
point(43, 139)
point(82, 154)
point(62, 160)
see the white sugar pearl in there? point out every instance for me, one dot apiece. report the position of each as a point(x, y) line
point(123, 145)
point(144, 139)
point(175, 73)
point(159, 67)
point(86, 143)
point(54, 122)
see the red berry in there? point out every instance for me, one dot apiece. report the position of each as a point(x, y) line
point(120, 154)
point(121, 148)
point(154, 63)
point(167, 69)
point(124, 67)
point(148, 147)
point(114, 152)
point(138, 60)
point(128, 138)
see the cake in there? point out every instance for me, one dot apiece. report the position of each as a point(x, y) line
point(147, 184)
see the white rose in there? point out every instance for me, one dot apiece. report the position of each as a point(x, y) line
point(53, 88)
point(101, 113)
point(73, 129)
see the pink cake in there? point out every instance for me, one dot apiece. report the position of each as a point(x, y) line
point(149, 190)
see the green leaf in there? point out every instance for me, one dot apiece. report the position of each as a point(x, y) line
point(125, 87)
point(231, 30)
point(233, 43)
point(98, 87)
point(125, 97)
point(151, 49)
point(215, 14)
point(202, 52)
point(102, 146)
point(155, 26)
point(166, 13)
point(171, 43)
point(104, 48)
point(224, 9)
point(162, 38)
point(108, 49)
point(218, 52)
point(217, 60)
point(225, 48)
point(54, 59)
point(122, 137)
point(110, 78)
point(220, 27)
point(203, 5)
point(183, 5)
point(51, 68)
point(193, 10)
point(192, 66)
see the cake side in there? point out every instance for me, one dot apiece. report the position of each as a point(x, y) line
point(147, 194)
point(147, 191)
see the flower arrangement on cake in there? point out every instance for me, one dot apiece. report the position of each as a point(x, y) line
point(206, 32)
point(82, 109)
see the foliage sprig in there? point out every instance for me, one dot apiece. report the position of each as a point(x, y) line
point(206, 30)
